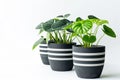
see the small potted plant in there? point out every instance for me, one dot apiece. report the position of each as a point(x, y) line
point(60, 46)
point(88, 57)
point(43, 42)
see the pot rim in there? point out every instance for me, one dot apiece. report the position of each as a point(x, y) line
point(93, 46)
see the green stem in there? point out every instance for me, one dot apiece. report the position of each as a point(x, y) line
point(100, 39)
point(61, 40)
point(52, 37)
point(96, 30)
point(79, 41)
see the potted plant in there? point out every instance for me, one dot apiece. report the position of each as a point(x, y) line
point(60, 45)
point(43, 42)
point(88, 57)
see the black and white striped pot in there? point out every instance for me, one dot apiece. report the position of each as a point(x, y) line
point(60, 56)
point(88, 62)
point(44, 53)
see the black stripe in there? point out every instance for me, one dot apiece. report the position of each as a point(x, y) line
point(43, 46)
point(43, 50)
point(60, 56)
point(98, 56)
point(88, 62)
point(60, 46)
point(60, 51)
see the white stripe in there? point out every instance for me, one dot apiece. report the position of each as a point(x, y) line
point(60, 54)
point(43, 49)
point(88, 54)
point(52, 49)
point(88, 59)
point(89, 65)
point(44, 53)
point(60, 59)
point(43, 44)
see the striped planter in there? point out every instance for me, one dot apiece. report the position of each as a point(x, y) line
point(44, 53)
point(60, 56)
point(88, 62)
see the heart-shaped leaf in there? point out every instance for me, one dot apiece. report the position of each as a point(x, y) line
point(59, 25)
point(47, 25)
point(108, 31)
point(89, 38)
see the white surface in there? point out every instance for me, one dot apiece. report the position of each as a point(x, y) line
point(18, 19)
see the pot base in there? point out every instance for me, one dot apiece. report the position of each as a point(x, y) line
point(61, 65)
point(44, 58)
point(88, 72)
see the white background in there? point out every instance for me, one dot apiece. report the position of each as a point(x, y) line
point(18, 19)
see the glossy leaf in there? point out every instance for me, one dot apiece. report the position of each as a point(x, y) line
point(92, 17)
point(89, 38)
point(47, 25)
point(66, 15)
point(78, 19)
point(108, 31)
point(59, 25)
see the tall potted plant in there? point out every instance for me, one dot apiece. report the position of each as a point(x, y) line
point(60, 46)
point(89, 57)
point(43, 41)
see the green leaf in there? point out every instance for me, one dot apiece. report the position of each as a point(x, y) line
point(78, 19)
point(108, 31)
point(59, 25)
point(47, 25)
point(37, 43)
point(66, 15)
point(89, 38)
point(60, 16)
point(102, 22)
point(92, 17)
point(40, 26)
point(70, 30)
point(41, 30)
point(87, 24)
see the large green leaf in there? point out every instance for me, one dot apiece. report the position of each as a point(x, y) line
point(81, 27)
point(108, 31)
point(47, 25)
point(59, 25)
point(89, 38)
point(38, 42)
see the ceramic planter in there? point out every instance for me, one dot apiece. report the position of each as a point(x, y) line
point(88, 62)
point(60, 56)
point(44, 53)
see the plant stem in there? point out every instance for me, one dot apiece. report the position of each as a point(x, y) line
point(100, 39)
point(79, 41)
point(96, 30)
point(52, 37)
point(61, 40)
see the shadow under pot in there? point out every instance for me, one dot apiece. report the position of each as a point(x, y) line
point(88, 62)
point(60, 56)
point(44, 53)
